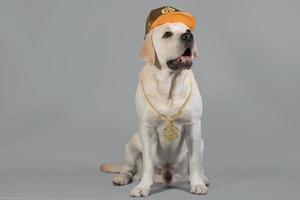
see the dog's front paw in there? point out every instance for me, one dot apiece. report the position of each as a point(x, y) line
point(199, 189)
point(121, 179)
point(140, 191)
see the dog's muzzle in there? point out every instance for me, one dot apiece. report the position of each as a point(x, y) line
point(185, 60)
point(187, 37)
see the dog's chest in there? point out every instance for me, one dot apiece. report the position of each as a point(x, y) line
point(176, 110)
point(169, 150)
point(170, 144)
point(164, 140)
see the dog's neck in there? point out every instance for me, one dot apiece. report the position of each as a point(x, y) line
point(172, 83)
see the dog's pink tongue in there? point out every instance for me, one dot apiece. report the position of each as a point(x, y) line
point(186, 58)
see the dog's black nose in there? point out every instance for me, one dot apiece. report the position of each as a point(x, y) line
point(187, 36)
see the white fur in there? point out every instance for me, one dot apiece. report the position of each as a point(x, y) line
point(167, 90)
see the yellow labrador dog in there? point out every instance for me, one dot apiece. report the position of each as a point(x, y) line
point(168, 146)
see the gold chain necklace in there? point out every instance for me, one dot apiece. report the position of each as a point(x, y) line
point(171, 131)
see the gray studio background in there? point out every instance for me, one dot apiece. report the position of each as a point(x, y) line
point(68, 74)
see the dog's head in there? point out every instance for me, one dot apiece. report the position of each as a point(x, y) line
point(171, 45)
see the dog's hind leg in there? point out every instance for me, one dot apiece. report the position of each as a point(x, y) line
point(132, 155)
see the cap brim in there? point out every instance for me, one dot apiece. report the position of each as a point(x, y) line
point(183, 17)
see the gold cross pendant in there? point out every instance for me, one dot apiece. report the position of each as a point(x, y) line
point(171, 131)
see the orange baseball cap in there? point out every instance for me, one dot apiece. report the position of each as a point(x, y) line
point(168, 14)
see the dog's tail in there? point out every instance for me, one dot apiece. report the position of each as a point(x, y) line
point(114, 168)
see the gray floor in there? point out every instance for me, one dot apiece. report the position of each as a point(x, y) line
point(234, 184)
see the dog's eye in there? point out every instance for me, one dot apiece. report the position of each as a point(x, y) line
point(167, 34)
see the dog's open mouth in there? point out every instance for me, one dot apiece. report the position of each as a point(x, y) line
point(182, 62)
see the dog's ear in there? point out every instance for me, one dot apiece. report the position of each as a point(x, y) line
point(196, 52)
point(147, 52)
